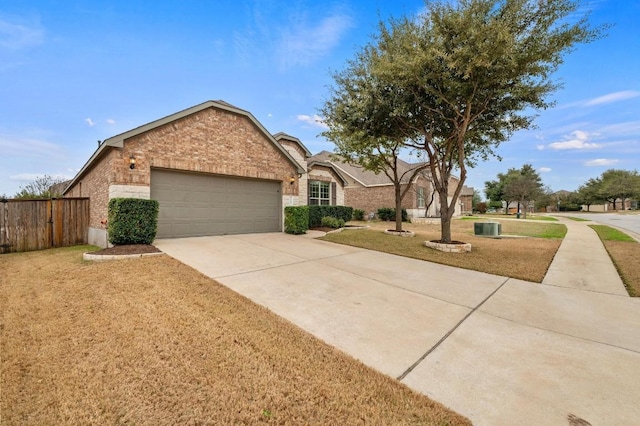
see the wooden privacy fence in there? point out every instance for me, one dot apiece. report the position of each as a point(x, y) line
point(27, 225)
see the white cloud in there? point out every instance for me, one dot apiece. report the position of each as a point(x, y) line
point(578, 139)
point(544, 169)
point(540, 147)
point(30, 177)
point(315, 121)
point(110, 121)
point(304, 43)
point(89, 122)
point(25, 177)
point(15, 36)
point(613, 97)
point(600, 162)
point(30, 148)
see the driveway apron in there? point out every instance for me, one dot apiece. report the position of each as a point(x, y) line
point(497, 350)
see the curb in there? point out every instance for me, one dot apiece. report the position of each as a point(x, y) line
point(103, 257)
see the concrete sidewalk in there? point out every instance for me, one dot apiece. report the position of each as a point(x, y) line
point(583, 263)
point(497, 350)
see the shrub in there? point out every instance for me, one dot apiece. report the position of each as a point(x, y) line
point(389, 214)
point(132, 221)
point(358, 214)
point(332, 222)
point(481, 207)
point(316, 213)
point(296, 219)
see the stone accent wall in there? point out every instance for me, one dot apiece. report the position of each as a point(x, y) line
point(210, 141)
point(129, 191)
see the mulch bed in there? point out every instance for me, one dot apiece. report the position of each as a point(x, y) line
point(128, 249)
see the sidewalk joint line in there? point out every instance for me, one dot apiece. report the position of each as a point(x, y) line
point(585, 339)
point(446, 336)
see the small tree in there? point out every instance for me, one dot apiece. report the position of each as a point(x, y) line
point(41, 187)
point(375, 145)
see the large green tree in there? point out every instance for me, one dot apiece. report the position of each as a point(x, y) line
point(524, 186)
point(456, 81)
point(590, 193)
point(616, 184)
point(496, 190)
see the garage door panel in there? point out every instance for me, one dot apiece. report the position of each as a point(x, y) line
point(199, 204)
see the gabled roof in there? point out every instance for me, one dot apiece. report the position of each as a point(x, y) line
point(362, 176)
point(281, 135)
point(118, 140)
point(328, 164)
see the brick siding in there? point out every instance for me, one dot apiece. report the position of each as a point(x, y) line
point(209, 141)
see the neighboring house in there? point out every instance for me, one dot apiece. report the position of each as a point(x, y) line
point(368, 191)
point(628, 204)
point(213, 168)
point(466, 199)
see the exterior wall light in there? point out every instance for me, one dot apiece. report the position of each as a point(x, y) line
point(292, 180)
point(132, 162)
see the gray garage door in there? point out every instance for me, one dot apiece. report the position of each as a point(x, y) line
point(195, 204)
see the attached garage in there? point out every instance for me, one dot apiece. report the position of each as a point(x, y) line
point(214, 169)
point(199, 204)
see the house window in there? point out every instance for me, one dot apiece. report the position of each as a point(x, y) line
point(319, 193)
point(420, 197)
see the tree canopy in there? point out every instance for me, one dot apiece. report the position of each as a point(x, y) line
point(41, 187)
point(455, 82)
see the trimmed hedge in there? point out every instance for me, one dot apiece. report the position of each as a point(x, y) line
point(389, 214)
point(332, 222)
point(296, 219)
point(132, 221)
point(358, 214)
point(316, 213)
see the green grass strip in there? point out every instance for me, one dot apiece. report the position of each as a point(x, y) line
point(607, 233)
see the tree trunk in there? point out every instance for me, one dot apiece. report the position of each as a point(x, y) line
point(445, 214)
point(398, 207)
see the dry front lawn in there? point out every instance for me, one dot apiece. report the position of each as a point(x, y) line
point(523, 258)
point(152, 342)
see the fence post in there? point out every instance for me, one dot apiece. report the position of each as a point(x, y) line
point(4, 225)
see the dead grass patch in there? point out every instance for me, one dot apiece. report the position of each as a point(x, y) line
point(626, 258)
point(523, 258)
point(152, 341)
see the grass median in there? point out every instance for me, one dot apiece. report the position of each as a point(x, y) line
point(624, 251)
point(151, 341)
point(516, 257)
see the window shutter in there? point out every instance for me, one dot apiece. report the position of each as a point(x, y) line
point(333, 193)
point(308, 192)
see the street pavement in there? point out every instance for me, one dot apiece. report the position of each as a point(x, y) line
point(498, 350)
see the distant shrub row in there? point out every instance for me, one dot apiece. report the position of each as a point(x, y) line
point(389, 214)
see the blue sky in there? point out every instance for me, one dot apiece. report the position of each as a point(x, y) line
point(75, 72)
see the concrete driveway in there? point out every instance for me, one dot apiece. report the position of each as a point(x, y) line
point(497, 350)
